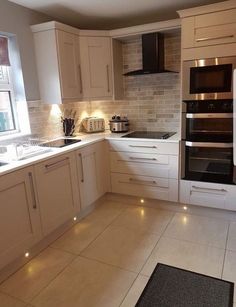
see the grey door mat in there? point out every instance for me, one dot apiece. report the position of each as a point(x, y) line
point(173, 287)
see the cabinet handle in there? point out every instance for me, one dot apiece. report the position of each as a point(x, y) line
point(108, 82)
point(142, 181)
point(140, 146)
point(80, 79)
point(203, 39)
point(32, 190)
point(208, 189)
point(147, 159)
point(57, 163)
point(82, 167)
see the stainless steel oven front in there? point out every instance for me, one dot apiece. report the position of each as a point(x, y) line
point(208, 79)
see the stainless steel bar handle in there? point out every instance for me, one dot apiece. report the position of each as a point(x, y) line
point(108, 80)
point(147, 159)
point(210, 145)
point(80, 79)
point(57, 163)
point(209, 115)
point(203, 39)
point(32, 190)
point(82, 167)
point(208, 189)
point(142, 181)
point(142, 146)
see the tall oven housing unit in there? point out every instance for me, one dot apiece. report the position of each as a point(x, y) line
point(208, 153)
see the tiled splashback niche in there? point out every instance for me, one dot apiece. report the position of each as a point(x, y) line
point(151, 102)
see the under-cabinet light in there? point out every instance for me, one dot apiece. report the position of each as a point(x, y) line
point(27, 254)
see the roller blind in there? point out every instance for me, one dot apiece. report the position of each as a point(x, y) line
point(4, 55)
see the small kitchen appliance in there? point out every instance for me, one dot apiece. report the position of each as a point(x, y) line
point(93, 124)
point(119, 124)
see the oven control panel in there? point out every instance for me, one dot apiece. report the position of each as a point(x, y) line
point(211, 106)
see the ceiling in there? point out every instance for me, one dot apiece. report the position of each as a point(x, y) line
point(110, 14)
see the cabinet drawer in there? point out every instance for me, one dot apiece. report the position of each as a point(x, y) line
point(144, 147)
point(215, 35)
point(203, 194)
point(164, 166)
point(144, 186)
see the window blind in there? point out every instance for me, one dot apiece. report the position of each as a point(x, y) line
point(4, 55)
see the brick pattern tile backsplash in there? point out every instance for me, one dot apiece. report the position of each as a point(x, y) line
point(151, 102)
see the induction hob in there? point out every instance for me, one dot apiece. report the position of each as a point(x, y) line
point(60, 143)
point(149, 135)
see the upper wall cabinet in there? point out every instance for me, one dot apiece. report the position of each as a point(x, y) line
point(58, 63)
point(75, 65)
point(206, 31)
point(96, 65)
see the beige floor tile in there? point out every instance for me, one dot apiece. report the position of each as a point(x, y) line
point(231, 243)
point(106, 212)
point(86, 283)
point(79, 236)
point(144, 219)
point(8, 301)
point(229, 272)
point(199, 258)
point(36, 274)
point(122, 247)
point(135, 291)
point(198, 229)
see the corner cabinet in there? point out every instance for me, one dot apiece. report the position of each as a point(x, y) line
point(93, 172)
point(57, 189)
point(96, 65)
point(58, 63)
point(19, 214)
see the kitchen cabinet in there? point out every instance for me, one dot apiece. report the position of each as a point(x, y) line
point(57, 189)
point(96, 66)
point(58, 63)
point(93, 172)
point(213, 195)
point(19, 214)
point(145, 169)
point(207, 30)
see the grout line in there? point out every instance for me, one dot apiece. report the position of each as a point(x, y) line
point(147, 260)
point(15, 298)
point(225, 251)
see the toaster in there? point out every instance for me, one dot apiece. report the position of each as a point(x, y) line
point(93, 124)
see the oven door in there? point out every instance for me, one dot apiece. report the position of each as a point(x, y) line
point(209, 127)
point(211, 162)
point(208, 79)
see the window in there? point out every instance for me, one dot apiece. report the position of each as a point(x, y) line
point(7, 116)
point(14, 119)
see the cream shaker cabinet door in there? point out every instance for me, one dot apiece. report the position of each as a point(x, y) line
point(96, 65)
point(87, 174)
point(69, 65)
point(19, 215)
point(57, 191)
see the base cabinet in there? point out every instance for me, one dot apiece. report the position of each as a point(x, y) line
point(145, 169)
point(93, 173)
point(19, 215)
point(57, 191)
point(221, 196)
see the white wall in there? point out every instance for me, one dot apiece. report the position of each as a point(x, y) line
point(17, 20)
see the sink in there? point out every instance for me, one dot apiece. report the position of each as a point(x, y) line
point(3, 163)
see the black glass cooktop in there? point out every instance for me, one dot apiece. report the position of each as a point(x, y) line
point(149, 135)
point(60, 143)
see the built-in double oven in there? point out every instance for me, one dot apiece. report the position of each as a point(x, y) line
point(207, 120)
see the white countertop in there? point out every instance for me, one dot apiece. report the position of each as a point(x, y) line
point(86, 139)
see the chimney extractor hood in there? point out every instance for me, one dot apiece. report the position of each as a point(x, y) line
point(153, 55)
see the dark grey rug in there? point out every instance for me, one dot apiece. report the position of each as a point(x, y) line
point(173, 287)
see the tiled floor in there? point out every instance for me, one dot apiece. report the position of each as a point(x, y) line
point(107, 258)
